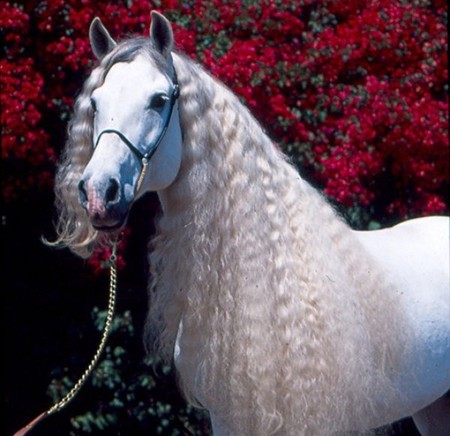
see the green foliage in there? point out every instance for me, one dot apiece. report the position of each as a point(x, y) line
point(130, 396)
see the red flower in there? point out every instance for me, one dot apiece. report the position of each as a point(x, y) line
point(356, 92)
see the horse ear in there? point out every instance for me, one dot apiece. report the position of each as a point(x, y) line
point(101, 41)
point(161, 34)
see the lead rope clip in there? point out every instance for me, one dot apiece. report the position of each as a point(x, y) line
point(144, 162)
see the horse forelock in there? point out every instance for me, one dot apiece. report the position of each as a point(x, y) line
point(127, 50)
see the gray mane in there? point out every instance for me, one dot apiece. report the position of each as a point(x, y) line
point(127, 50)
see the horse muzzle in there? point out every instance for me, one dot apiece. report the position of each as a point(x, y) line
point(104, 202)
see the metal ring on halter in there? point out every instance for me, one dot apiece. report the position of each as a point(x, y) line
point(151, 149)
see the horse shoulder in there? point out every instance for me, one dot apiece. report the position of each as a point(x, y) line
point(415, 255)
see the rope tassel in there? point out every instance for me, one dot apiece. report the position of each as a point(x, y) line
point(88, 371)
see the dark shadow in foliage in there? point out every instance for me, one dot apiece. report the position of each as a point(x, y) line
point(51, 317)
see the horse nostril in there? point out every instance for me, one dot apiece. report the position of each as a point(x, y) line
point(82, 194)
point(112, 192)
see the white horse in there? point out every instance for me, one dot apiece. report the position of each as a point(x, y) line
point(280, 318)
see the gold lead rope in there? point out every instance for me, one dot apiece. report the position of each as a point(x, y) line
point(106, 330)
point(142, 175)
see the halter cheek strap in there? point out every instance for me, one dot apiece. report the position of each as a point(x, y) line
point(150, 150)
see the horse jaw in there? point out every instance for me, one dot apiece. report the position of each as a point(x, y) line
point(165, 163)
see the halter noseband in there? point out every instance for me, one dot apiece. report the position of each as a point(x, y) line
point(145, 157)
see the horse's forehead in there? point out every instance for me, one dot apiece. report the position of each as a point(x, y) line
point(141, 73)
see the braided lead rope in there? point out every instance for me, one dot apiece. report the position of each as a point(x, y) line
point(88, 371)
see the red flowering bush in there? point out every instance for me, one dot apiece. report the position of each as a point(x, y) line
point(355, 92)
point(24, 141)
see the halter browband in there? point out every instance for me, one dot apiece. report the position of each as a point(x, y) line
point(145, 157)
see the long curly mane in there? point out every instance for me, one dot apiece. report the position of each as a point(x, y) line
point(283, 321)
point(287, 325)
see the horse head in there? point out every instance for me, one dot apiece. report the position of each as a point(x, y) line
point(136, 126)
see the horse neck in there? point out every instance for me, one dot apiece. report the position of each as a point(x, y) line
point(222, 142)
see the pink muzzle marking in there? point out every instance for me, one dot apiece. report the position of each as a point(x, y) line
point(96, 204)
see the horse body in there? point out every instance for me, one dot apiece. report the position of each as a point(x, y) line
point(415, 254)
point(278, 324)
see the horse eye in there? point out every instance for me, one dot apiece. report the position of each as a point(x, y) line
point(158, 102)
point(93, 105)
